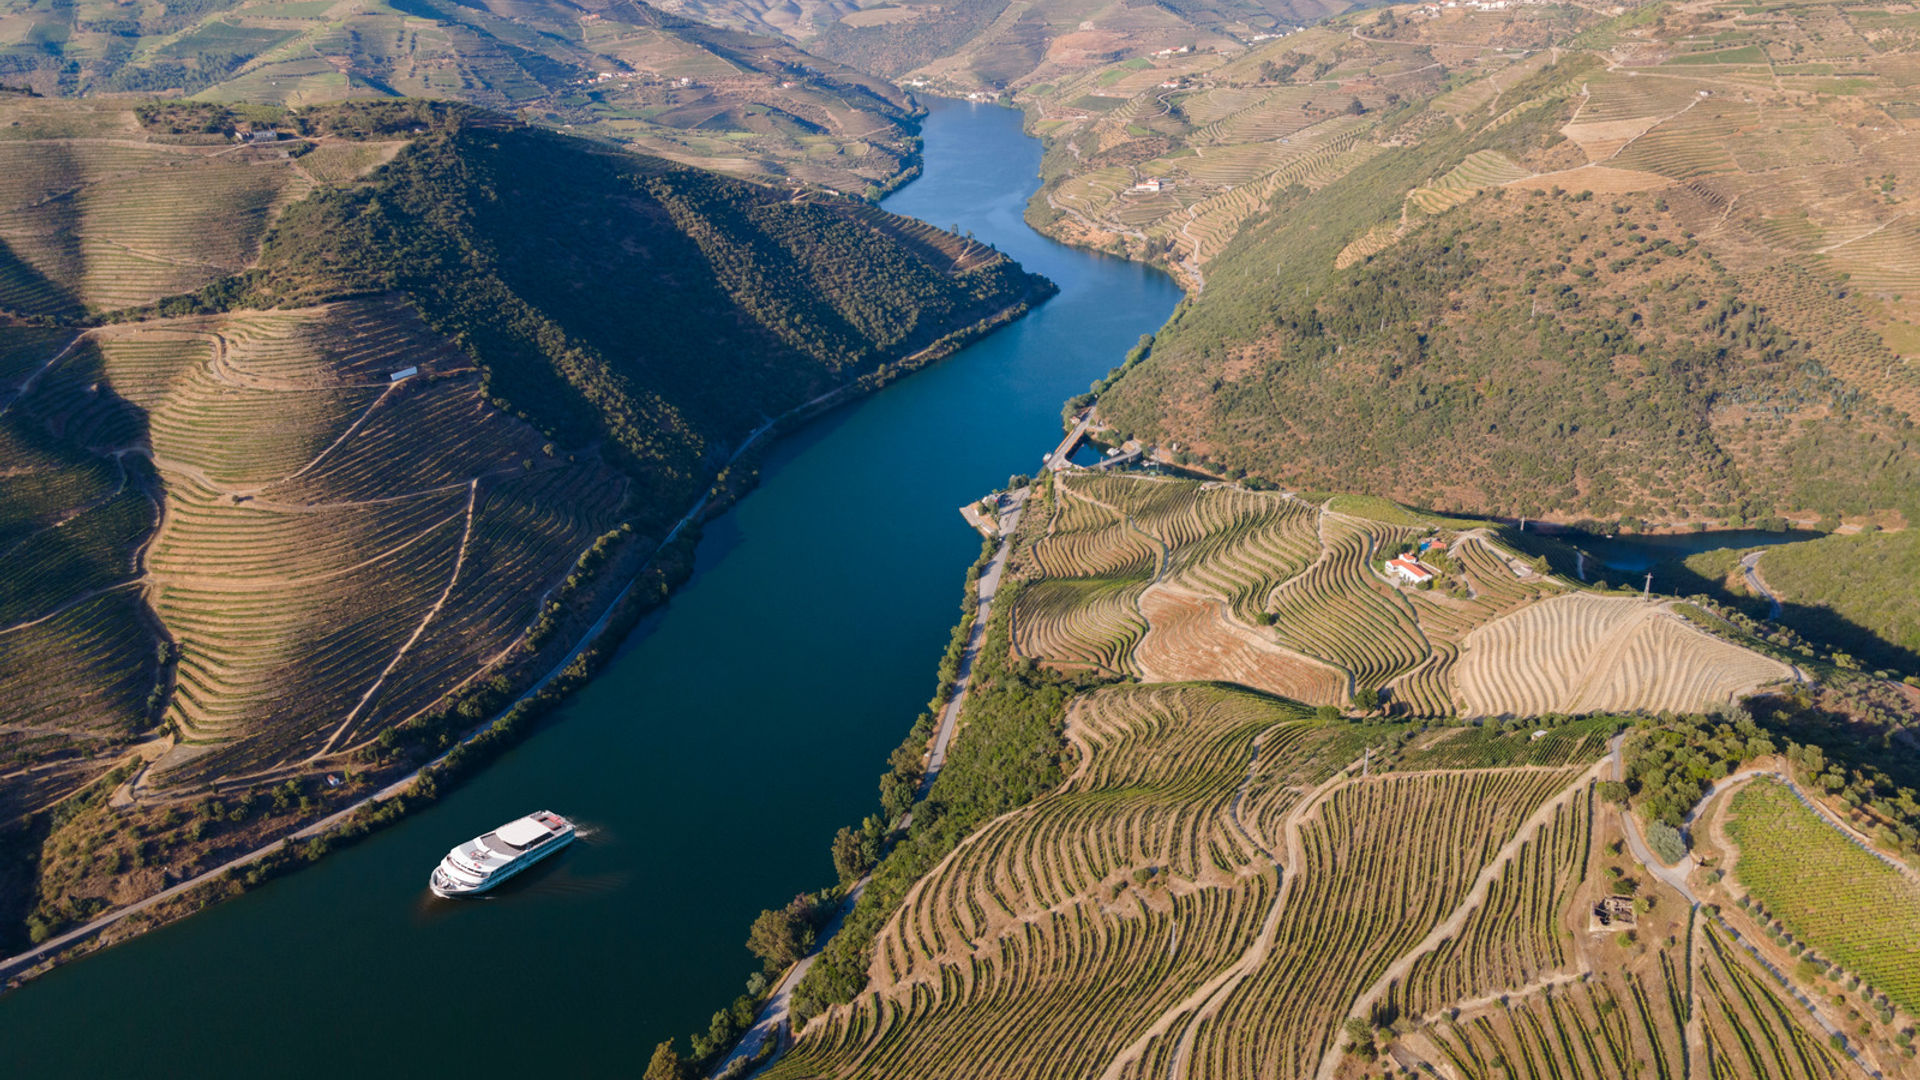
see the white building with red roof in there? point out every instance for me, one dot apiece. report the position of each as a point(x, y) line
point(1408, 569)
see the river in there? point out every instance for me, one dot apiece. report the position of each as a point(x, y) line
point(1639, 552)
point(711, 762)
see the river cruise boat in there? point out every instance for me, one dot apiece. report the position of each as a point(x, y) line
point(491, 858)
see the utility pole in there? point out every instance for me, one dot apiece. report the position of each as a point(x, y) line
point(1646, 593)
point(1366, 763)
point(1523, 523)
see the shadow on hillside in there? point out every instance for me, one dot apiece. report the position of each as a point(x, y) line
point(1817, 623)
point(1672, 576)
point(24, 289)
point(72, 539)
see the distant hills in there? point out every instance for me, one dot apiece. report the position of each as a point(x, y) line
point(622, 70)
point(995, 45)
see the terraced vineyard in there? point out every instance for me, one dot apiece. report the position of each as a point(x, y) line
point(684, 90)
point(341, 576)
point(1191, 869)
point(1144, 876)
point(1519, 933)
point(1092, 622)
point(1835, 897)
point(1338, 609)
point(1620, 1024)
point(1633, 1021)
point(1239, 137)
point(1172, 580)
point(1381, 862)
point(109, 223)
point(338, 549)
point(1582, 653)
point(1750, 1028)
point(1223, 887)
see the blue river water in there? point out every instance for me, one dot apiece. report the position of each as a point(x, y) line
point(711, 762)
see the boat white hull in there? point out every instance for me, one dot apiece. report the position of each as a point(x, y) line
point(444, 886)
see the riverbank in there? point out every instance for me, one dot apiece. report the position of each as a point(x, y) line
point(773, 1022)
point(760, 703)
point(395, 797)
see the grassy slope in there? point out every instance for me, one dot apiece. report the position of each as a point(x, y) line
point(1853, 590)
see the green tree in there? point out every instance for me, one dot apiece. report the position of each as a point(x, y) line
point(855, 851)
point(1665, 840)
point(665, 1064)
point(1612, 791)
point(1366, 700)
point(1360, 1033)
point(781, 937)
point(1327, 713)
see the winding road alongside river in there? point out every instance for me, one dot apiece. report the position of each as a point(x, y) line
point(773, 1020)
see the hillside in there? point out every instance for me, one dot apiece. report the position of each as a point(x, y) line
point(373, 471)
point(1842, 589)
point(721, 99)
point(1170, 580)
point(993, 46)
point(1651, 272)
point(1258, 887)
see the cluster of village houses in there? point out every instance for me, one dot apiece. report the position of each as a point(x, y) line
point(608, 76)
point(1431, 10)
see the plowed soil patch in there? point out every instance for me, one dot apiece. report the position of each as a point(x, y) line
point(1190, 638)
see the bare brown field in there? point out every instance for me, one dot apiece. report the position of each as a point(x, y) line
point(1190, 637)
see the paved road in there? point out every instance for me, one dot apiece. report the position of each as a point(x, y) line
point(773, 1021)
point(1750, 565)
point(989, 588)
point(1058, 459)
point(1674, 876)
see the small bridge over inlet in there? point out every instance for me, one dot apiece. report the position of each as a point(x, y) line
point(1061, 458)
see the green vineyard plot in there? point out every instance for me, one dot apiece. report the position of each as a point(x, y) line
point(1840, 900)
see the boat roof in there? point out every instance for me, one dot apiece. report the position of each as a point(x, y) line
point(523, 831)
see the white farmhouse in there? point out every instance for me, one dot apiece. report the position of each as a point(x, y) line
point(1408, 569)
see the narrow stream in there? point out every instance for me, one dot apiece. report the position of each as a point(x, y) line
point(710, 764)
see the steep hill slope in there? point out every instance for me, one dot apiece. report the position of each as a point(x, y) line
point(620, 69)
point(1624, 275)
point(371, 478)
